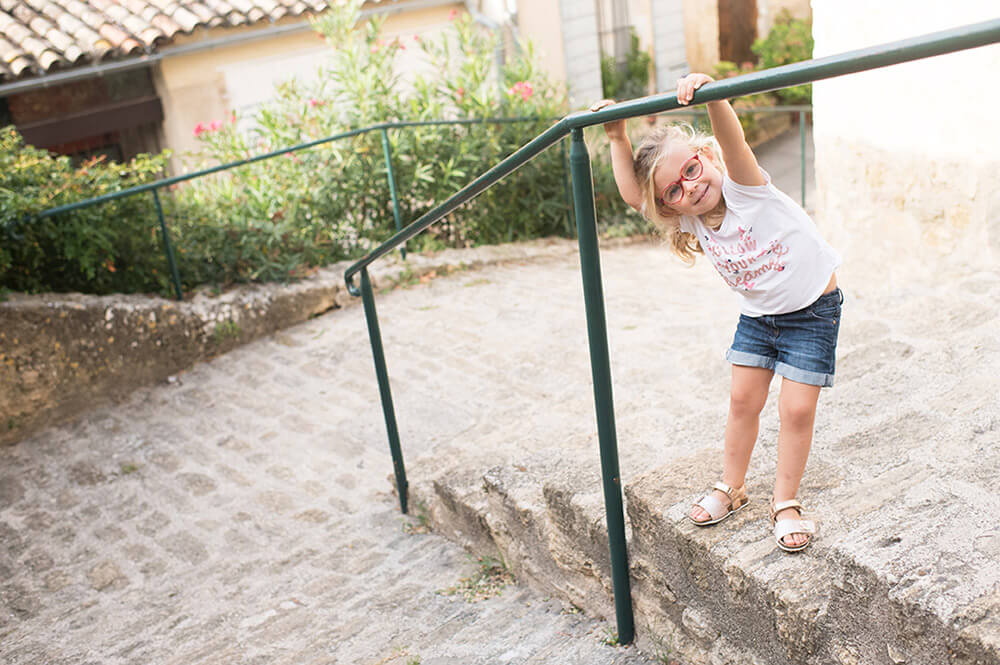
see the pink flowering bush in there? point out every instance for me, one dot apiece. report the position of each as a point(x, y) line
point(279, 218)
point(522, 88)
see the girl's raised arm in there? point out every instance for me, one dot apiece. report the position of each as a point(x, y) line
point(621, 158)
point(740, 161)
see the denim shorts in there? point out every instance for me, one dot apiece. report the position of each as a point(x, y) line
point(799, 345)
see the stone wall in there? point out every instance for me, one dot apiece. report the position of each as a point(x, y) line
point(908, 157)
point(64, 354)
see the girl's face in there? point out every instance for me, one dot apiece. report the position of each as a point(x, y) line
point(688, 183)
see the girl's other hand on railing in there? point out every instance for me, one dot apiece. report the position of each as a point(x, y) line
point(688, 84)
point(615, 129)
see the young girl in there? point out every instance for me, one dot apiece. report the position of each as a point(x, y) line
point(768, 250)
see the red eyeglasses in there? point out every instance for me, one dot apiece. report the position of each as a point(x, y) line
point(674, 192)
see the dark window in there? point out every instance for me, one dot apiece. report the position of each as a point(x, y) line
point(737, 30)
point(117, 116)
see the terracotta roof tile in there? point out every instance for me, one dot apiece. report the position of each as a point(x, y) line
point(38, 36)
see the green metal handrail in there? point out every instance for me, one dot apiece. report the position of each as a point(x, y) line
point(851, 62)
point(947, 41)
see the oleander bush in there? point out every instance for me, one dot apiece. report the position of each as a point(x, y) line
point(284, 216)
point(279, 219)
point(106, 248)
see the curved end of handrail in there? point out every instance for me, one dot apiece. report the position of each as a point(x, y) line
point(351, 287)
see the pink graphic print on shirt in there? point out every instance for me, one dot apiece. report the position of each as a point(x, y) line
point(739, 263)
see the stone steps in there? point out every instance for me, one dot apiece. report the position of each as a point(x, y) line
point(714, 596)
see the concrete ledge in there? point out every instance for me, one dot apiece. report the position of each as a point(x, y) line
point(62, 354)
point(708, 596)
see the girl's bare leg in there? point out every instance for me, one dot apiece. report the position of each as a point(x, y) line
point(747, 396)
point(797, 409)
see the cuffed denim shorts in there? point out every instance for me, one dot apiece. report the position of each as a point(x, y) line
point(799, 345)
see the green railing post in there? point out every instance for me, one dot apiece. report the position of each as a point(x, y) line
point(600, 365)
point(802, 152)
point(392, 187)
point(566, 188)
point(168, 248)
point(375, 335)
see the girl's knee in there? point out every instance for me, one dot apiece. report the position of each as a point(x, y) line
point(797, 412)
point(746, 402)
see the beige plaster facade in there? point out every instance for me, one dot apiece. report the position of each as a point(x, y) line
point(539, 22)
point(768, 10)
point(199, 86)
point(908, 157)
point(701, 34)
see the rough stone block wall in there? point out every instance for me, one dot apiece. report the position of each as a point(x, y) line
point(907, 156)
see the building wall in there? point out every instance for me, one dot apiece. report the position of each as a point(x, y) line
point(536, 21)
point(768, 10)
point(701, 27)
point(908, 157)
point(581, 51)
point(670, 56)
point(701, 34)
point(209, 85)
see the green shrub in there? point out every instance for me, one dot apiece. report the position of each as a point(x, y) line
point(276, 219)
point(279, 219)
point(629, 80)
point(790, 40)
point(112, 247)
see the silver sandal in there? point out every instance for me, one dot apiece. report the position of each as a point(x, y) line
point(784, 527)
point(716, 509)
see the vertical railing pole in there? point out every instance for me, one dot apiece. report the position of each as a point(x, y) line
point(566, 188)
point(168, 248)
point(600, 364)
point(375, 335)
point(802, 153)
point(387, 151)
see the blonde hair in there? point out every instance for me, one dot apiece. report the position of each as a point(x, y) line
point(651, 151)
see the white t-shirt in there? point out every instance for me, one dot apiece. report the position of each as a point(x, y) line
point(768, 249)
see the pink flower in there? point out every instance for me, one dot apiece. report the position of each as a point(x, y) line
point(216, 124)
point(200, 129)
point(523, 88)
point(315, 102)
point(416, 38)
point(452, 14)
point(460, 93)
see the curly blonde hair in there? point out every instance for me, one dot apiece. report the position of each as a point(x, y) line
point(651, 151)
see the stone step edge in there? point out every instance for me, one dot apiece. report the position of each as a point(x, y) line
point(693, 600)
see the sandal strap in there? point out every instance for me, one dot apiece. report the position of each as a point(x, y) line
point(778, 507)
point(722, 487)
point(786, 527)
point(713, 506)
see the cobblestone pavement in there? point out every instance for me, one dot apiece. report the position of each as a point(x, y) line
point(241, 513)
